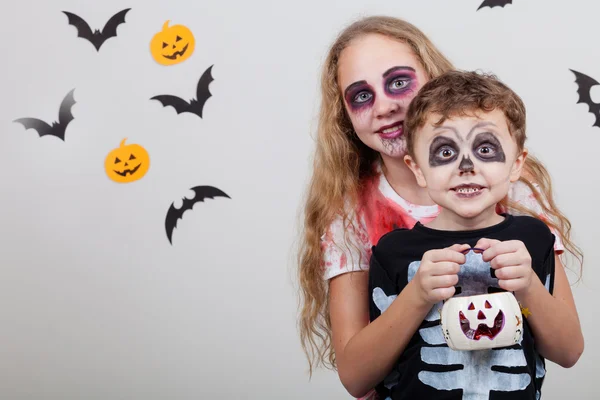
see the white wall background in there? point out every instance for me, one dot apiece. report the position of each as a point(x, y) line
point(96, 304)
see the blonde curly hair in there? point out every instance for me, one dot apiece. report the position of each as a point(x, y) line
point(342, 161)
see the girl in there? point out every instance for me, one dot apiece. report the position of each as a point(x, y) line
point(361, 188)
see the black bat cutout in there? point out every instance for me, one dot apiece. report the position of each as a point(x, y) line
point(494, 3)
point(58, 128)
point(175, 214)
point(194, 106)
point(584, 86)
point(97, 38)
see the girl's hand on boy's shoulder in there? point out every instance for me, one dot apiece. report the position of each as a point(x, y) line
point(511, 261)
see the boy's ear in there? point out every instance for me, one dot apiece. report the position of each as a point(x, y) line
point(517, 168)
point(414, 167)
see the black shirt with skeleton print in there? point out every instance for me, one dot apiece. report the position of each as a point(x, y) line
point(428, 368)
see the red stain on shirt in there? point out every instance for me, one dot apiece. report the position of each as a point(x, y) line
point(382, 215)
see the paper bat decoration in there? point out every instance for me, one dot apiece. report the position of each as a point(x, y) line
point(97, 38)
point(584, 86)
point(175, 214)
point(194, 106)
point(58, 128)
point(494, 3)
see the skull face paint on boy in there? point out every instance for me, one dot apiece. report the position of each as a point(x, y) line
point(485, 147)
point(468, 163)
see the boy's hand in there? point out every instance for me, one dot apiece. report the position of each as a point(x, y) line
point(511, 261)
point(438, 273)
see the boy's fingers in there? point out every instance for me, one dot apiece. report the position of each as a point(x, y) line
point(443, 281)
point(485, 243)
point(447, 255)
point(499, 248)
point(509, 273)
point(459, 247)
point(443, 293)
point(445, 268)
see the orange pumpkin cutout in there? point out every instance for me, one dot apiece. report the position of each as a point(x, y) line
point(127, 163)
point(172, 45)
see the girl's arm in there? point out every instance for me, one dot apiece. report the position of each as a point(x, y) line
point(365, 352)
point(554, 319)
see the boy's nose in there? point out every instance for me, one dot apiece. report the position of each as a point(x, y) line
point(466, 165)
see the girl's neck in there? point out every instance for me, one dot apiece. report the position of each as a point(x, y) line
point(403, 181)
point(450, 221)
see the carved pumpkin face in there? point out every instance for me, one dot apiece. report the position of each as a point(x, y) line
point(172, 45)
point(482, 322)
point(127, 163)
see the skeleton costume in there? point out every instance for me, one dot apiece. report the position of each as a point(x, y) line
point(428, 368)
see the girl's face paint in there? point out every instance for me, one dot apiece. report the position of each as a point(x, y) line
point(378, 77)
point(467, 163)
point(400, 82)
point(397, 82)
point(359, 95)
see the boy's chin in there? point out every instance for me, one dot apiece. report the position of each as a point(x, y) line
point(463, 211)
point(475, 213)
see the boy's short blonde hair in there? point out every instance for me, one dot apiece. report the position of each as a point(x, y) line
point(460, 93)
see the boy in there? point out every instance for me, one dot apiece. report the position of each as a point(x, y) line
point(465, 135)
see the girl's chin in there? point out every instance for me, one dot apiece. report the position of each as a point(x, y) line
point(394, 149)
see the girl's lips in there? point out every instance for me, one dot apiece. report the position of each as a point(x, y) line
point(391, 131)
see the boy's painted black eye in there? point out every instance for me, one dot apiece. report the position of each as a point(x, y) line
point(446, 152)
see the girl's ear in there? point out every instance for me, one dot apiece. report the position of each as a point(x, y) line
point(414, 167)
point(517, 168)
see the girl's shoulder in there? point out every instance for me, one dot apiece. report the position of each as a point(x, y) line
point(520, 191)
point(377, 192)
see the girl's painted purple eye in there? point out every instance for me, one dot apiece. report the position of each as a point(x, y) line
point(362, 97)
point(398, 84)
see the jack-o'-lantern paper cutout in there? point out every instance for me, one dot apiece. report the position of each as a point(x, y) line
point(483, 321)
point(173, 45)
point(127, 163)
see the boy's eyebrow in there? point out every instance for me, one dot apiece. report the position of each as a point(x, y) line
point(451, 128)
point(396, 68)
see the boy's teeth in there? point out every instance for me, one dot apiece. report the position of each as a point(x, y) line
point(467, 190)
